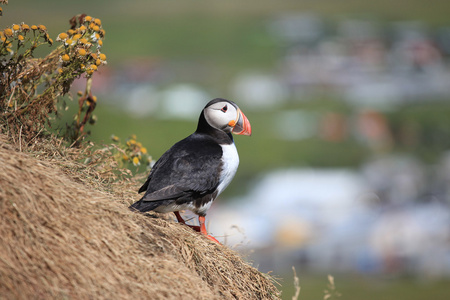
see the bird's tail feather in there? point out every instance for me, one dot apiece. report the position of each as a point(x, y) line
point(144, 206)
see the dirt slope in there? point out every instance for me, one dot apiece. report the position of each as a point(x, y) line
point(63, 239)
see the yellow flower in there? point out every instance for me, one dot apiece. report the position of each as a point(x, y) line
point(98, 22)
point(102, 56)
point(71, 31)
point(83, 41)
point(82, 28)
point(68, 42)
point(115, 138)
point(16, 27)
point(100, 43)
point(93, 67)
point(136, 161)
point(125, 157)
point(60, 70)
point(88, 18)
point(91, 99)
point(98, 62)
point(42, 27)
point(96, 28)
point(20, 37)
point(25, 27)
point(62, 36)
point(76, 37)
point(8, 32)
point(81, 52)
point(143, 150)
point(34, 27)
point(65, 57)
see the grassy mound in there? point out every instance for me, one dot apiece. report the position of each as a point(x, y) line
point(63, 235)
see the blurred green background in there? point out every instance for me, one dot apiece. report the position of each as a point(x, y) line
point(207, 45)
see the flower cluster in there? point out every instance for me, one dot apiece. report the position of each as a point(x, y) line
point(132, 152)
point(82, 44)
point(31, 87)
point(14, 37)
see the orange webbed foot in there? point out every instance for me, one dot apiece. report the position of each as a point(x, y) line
point(201, 220)
point(201, 228)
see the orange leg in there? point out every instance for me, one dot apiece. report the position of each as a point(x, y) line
point(182, 221)
point(201, 228)
point(201, 220)
point(179, 218)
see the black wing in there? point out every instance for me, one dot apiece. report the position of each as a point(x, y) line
point(187, 171)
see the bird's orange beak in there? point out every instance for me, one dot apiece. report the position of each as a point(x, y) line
point(241, 125)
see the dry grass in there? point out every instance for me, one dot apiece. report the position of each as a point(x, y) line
point(66, 234)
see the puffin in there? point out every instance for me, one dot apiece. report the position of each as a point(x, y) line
point(197, 169)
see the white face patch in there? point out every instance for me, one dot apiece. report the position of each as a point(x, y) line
point(220, 114)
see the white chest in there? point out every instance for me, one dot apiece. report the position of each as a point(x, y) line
point(230, 159)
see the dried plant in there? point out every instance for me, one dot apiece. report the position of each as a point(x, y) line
point(132, 153)
point(65, 235)
point(331, 292)
point(296, 285)
point(31, 87)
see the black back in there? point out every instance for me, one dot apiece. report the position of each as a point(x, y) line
point(186, 171)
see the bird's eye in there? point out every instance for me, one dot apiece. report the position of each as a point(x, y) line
point(224, 109)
